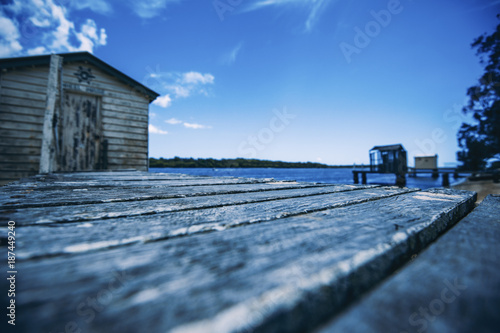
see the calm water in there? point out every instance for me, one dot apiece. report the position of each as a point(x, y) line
point(329, 176)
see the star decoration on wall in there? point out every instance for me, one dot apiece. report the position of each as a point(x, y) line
point(84, 75)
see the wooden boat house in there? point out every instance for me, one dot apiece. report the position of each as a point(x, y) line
point(426, 162)
point(70, 112)
point(388, 159)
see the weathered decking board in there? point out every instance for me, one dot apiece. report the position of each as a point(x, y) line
point(220, 215)
point(268, 256)
point(453, 286)
point(93, 195)
point(302, 200)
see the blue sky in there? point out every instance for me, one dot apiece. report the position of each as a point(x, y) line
point(291, 80)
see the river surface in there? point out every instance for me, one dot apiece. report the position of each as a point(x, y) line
point(327, 176)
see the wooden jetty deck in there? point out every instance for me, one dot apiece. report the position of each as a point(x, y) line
point(141, 252)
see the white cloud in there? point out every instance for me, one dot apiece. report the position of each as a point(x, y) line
point(196, 126)
point(230, 57)
point(178, 85)
point(98, 6)
point(44, 22)
point(179, 91)
point(197, 78)
point(314, 8)
point(264, 3)
point(45, 26)
point(155, 130)
point(89, 37)
point(9, 35)
point(62, 33)
point(149, 8)
point(163, 101)
point(37, 50)
point(173, 121)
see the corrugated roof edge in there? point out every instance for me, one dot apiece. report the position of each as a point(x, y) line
point(80, 56)
point(388, 147)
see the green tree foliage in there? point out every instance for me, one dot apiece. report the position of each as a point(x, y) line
point(481, 140)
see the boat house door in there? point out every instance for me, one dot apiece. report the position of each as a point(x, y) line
point(79, 132)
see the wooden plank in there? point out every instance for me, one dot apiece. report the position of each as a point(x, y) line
point(15, 174)
point(453, 286)
point(48, 153)
point(6, 116)
point(129, 104)
point(142, 111)
point(202, 181)
point(124, 149)
point(22, 110)
point(127, 155)
point(108, 175)
point(303, 200)
point(9, 176)
point(287, 274)
point(19, 150)
point(29, 143)
point(125, 121)
point(67, 238)
point(26, 166)
point(23, 86)
point(130, 94)
point(125, 135)
point(16, 101)
point(32, 71)
point(125, 129)
point(20, 77)
point(28, 198)
point(91, 177)
point(21, 127)
point(21, 134)
point(28, 95)
point(19, 158)
point(112, 115)
point(126, 142)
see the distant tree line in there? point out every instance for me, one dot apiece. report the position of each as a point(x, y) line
point(178, 162)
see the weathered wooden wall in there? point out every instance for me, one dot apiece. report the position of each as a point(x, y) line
point(123, 110)
point(124, 116)
point(22, 105)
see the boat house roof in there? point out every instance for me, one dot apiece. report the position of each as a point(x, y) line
point(41, 60)
point(388, 147)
